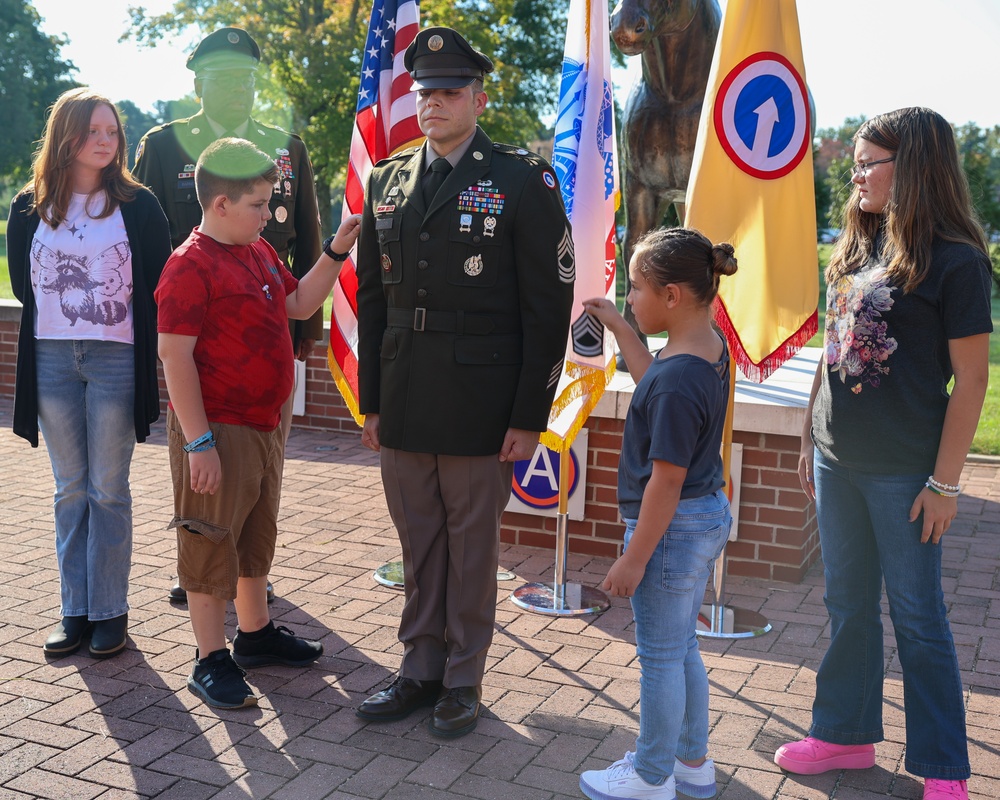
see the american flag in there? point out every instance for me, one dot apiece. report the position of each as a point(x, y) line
point(386, 121)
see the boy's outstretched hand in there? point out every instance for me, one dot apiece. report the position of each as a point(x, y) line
point(347, 234)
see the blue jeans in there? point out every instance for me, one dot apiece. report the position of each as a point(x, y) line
point(86, 392)
point(673, 688)
point(866, 535)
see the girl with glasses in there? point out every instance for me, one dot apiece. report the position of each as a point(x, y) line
point(908, 309)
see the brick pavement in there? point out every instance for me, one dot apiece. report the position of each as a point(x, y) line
point(562, 694)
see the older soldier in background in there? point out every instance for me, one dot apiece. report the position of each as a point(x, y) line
point(465, 283)
point(224, 64)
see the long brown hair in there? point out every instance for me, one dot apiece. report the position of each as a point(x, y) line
point(65, 134)
point(928, 198)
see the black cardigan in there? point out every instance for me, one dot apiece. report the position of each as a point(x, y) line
point(149, 239)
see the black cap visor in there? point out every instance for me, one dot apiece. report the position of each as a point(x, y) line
point(445, 78)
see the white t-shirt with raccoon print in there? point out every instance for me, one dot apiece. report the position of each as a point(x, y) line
point(81, 274)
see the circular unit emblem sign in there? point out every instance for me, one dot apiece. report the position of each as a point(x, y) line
point(536, 479)
point(762, 116)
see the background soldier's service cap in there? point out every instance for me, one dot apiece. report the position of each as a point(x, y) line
point(226, 48)
point(440, 58)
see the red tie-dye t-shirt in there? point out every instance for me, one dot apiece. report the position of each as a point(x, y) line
point(220, 294)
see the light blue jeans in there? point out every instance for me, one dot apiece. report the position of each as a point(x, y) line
point(673, 688)
point(866, 535)
point(86, 392)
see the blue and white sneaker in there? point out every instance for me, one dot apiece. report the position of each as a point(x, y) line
point(698, 782)
point(620, 781)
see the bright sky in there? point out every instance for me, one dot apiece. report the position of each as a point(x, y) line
point(862, 56)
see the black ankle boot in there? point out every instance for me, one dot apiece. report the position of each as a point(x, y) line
point(109, 636)
point(67, 636)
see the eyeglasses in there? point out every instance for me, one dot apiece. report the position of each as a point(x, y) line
point(231, 83)
point(862, 169)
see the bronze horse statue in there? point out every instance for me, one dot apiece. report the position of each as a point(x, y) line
point(677, 41)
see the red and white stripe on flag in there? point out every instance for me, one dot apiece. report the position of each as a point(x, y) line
point(386, 121)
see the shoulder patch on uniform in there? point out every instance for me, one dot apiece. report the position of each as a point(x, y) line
point(550, 179)
point(402, 155)
point(166, 126)
point(521, 153)
point(273, 129)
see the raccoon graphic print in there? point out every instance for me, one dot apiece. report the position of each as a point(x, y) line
point(81, 273)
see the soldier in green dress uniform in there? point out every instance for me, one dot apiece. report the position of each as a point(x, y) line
point(224, 64)
point(465, 286)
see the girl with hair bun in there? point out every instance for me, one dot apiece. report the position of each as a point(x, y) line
point(670, 494)
point(908, 309)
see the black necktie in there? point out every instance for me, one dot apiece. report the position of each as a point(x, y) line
point(434, 178)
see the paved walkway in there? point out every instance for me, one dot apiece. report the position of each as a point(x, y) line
point(562, 694)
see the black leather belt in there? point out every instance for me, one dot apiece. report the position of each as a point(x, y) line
point(423, 319)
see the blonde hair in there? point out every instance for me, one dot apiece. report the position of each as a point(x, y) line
point(64, 136)
point(928, 198)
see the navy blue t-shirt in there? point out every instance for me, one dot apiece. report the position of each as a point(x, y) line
point(677, 414)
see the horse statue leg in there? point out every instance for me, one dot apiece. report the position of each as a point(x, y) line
point(642, 213)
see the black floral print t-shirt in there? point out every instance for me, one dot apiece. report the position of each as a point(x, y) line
point(884, 389)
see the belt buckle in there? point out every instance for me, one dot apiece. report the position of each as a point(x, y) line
point(419, 318)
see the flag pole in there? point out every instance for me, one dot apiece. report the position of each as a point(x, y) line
point(561, 599)
point(727, 622)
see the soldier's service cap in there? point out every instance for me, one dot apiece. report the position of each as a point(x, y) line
point(226, 48)
point(440, 58)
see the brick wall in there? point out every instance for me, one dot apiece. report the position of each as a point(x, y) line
point(778, 538)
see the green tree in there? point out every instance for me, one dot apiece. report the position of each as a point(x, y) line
point(32, 76)
point(135, 123)
point(979, 149)
point(312, 60)
point(833, 155)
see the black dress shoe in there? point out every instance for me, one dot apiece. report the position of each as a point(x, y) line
point(178, 595)
point(67, 636)
point(457, 711)
point(403, 696)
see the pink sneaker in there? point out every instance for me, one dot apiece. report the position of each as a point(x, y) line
point(811, 757)
point(935, 789)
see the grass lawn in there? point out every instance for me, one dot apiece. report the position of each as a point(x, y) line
point(987, 435)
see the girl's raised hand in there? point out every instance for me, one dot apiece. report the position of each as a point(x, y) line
point(603, 309)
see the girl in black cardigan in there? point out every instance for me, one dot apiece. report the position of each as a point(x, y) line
point(85, 245)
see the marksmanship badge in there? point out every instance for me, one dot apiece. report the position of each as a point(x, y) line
point(474, 265)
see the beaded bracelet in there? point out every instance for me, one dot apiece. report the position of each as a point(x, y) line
point(944, 487)
point(940, 492)
point(201, 444)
